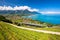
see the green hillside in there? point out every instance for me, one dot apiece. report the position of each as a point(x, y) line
point(8, 32)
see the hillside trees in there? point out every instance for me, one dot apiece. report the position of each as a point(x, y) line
point(2, 18)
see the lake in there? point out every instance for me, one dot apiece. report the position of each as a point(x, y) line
point(52, 18)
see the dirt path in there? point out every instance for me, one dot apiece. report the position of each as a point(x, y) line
point(44, 31)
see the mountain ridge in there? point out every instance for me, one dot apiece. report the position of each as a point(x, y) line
point(19, 12)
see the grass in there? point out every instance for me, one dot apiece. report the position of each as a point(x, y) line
point(51, 29)
point(8, 32)
point(27, 20)
point(56, 29)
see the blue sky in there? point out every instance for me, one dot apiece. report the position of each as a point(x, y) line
point(42, 5)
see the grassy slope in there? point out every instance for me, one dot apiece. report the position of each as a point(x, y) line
point(56, 29)
point(8, 32)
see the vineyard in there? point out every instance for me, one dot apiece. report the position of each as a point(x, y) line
point(8, 32)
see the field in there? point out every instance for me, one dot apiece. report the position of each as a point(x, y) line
point(55, 28)
point(8, 32)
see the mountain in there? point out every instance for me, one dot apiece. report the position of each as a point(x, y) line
point(18, 12)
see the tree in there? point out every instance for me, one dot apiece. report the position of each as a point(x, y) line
point(49, 25)
point(2, 18)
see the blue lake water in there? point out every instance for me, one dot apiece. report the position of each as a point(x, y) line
point(54, 19)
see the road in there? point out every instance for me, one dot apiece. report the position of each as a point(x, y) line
point(44, 31)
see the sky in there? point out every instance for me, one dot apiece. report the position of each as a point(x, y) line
point(44, 6)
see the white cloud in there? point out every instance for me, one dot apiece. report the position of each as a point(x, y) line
point(50, 12)
point(18, 8)
point(26, 7)
point(5, 8)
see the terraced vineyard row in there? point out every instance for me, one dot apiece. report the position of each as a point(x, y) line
point(8, 32)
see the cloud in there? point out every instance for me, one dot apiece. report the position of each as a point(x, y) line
point(26, 8)
point(18, 8)
point(50, 12)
